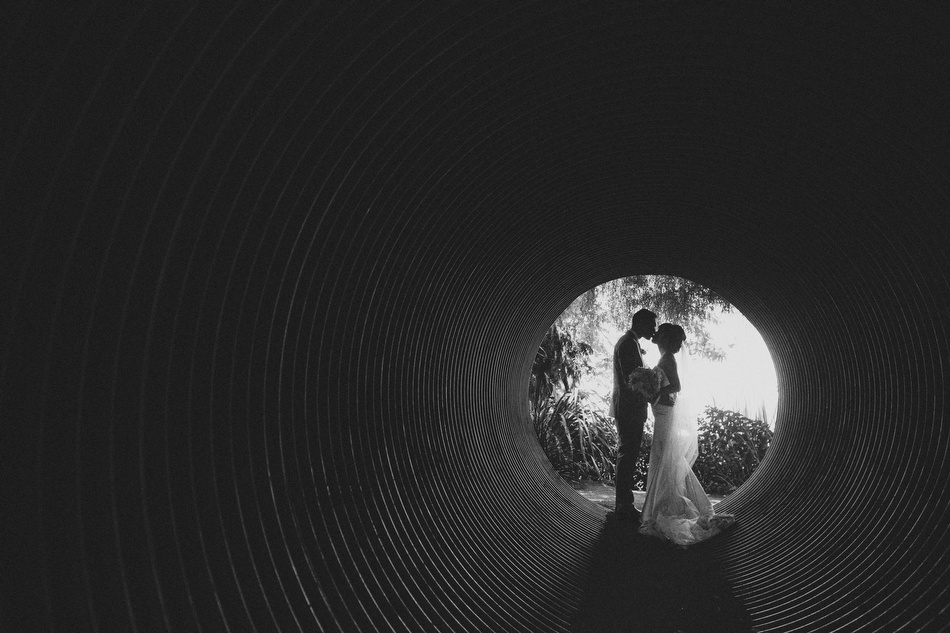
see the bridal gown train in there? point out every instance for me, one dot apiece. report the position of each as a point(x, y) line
point(676, 506)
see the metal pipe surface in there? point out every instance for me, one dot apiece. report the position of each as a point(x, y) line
point(275, 274)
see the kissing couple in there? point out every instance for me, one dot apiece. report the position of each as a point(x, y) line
point(676, 507)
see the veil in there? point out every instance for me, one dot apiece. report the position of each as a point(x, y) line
point(688, 407)
point(675, 501)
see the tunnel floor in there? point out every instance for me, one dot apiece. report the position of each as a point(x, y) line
point(603, 494)
point(638, 583)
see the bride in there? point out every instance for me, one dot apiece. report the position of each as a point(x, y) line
point(676, 507)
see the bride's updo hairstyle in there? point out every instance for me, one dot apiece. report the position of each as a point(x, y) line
point(670, 336)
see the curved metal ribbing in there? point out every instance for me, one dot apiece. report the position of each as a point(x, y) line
point(274, 278)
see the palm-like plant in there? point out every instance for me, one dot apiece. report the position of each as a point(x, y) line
point(580, 442)
point(558, 364)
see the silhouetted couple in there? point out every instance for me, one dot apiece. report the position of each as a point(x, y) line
point(676, 507)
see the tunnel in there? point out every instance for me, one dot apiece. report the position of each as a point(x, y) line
point(275, 274)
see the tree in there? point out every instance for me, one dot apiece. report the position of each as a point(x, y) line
point(674, 299)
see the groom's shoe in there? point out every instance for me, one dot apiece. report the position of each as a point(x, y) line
point(627, 512)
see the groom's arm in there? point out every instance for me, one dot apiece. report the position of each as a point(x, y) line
point(630, 359)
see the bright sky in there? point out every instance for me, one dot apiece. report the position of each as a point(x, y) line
point(744, 381)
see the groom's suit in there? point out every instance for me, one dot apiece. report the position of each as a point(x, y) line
point(630, 412)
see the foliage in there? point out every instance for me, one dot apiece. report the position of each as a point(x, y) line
point(580, 442)
point(674, 299)
point(643, 459)
point(731, 446)
point(560, 362)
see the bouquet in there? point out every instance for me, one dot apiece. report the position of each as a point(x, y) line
point(645, 383)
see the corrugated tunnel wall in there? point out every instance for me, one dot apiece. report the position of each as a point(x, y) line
point(274, 276)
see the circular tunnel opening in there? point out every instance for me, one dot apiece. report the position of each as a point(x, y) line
point(726, 366)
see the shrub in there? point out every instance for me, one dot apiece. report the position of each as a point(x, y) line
point(730, 448)
point(580, 442)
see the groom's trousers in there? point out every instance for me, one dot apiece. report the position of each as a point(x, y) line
point(630, 421)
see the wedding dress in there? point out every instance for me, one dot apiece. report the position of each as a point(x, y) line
point(676, 506)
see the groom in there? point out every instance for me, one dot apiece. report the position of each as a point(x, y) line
point(628, 410)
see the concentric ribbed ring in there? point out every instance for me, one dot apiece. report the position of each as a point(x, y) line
point(274, 278)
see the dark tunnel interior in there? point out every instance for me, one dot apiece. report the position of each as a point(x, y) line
point(274, 275)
